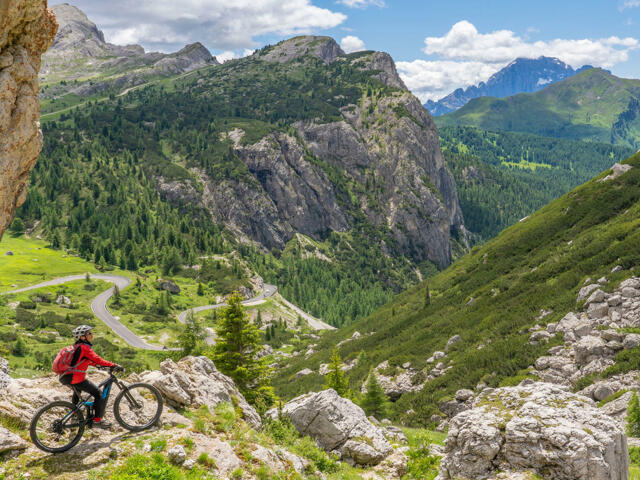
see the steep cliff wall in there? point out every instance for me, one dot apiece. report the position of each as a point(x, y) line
point(27, 28)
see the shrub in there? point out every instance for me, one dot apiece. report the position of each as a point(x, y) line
point(206, 461)
point(633, 417)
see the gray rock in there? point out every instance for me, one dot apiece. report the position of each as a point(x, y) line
point(614, 300)
point(303, 373)
point(596, 297)
point(586, 291)
point(452, 341)
point(588, 348)
point(337, 424)
point(612, 335)
point(631, 341)
point(10, 441)
point(617, 268)
point(189, 464)
point(170, 286)
point(598, 310)
point(9, 253)
point(5, 379)
point(539, 427)
point(602, 391)
point(194, 382)
point(630, 292)
point(177, 454)
point(463, 395)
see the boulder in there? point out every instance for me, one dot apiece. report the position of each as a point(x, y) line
point(587, 349)
point(596, 297)
point(598, 310)
point(452, 341)
point(303, 373)
point(540, 427)
point(195, 381)
point(169, 285)
point(630, 292)
point(338, 424)
point(463, 395)
point(602, 391)
point(586, 291)
point(10, 441)
point(631, 341)
point(177, 454)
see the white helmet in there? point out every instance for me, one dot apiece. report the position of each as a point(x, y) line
point(81, 331)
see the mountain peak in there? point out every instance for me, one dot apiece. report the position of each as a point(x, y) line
point(324, 48)
point(522, 75)
point(75, 29)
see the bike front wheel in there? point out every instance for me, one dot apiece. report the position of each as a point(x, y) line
point(57, 427)
point(138, 407)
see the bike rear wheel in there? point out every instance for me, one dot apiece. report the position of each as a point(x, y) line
point(138, 407)
point(57, 427)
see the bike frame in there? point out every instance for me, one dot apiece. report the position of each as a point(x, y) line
point(105, 389)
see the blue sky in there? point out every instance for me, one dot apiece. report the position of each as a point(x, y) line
point(438, 46)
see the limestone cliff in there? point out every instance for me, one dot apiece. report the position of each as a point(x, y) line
point(27, 28)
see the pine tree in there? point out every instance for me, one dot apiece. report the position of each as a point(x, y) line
point(335, 378)
point(427, 297)
point(375, 400)
point(19, 348)
point(633, 417)
point(116, 294)
point(235, 353)
point(200, 289)
point(17, 226)
point(259, 319)
point(191, 336)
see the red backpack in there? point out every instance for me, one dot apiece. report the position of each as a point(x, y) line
point(62, 362)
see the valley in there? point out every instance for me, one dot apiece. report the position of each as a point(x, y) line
point(320, 279)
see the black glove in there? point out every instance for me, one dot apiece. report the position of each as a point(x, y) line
point(117, 368)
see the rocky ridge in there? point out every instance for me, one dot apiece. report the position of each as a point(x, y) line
point(80, 52)
point(388, 139)
point(27, 28)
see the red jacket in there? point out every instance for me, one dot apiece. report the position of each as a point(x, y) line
point(83, 358)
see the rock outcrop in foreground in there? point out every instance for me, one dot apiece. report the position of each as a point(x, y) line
point(538, 427)
point(337, 424)
point(27, 28)
point(194, 382)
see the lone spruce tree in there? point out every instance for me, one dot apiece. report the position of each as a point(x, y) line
point(191, 336)
point(375, 400)
point(335, 377)
point(235, 354)
point(633, 417)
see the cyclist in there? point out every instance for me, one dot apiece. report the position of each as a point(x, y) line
point(83, 357)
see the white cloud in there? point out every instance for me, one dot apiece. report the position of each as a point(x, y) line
point(230, 54)
point(432, 80)
point(219, 24)
point(361, 3)
point(467, 57)
point(351, 44)
point(464, 42)
point(629, 4)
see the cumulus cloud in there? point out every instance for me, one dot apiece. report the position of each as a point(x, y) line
point(362, 3)
point(432, 80)
point(351, 44)
point(168, 25)
point(467, 56)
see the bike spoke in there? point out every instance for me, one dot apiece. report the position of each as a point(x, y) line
point(138, 407)
point(56, 427)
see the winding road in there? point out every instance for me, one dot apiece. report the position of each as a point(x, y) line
point(99, 307)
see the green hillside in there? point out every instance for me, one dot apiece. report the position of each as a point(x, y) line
point(492, 294)
point(504, 176)
point(585, 106)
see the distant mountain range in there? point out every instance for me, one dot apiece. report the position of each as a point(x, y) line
point(592, 105)
point(523, 75)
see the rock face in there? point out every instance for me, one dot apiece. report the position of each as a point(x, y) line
point(337, 424)
point(195, 381)
point(323, 48)
point(80, 52)
point(539, 427)
point(4, 374)
point(27, 28)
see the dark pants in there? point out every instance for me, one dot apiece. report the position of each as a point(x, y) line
point(91, 389)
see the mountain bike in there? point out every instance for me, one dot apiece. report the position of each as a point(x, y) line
point(58, 426)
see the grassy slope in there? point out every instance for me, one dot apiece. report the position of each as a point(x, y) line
point(584, 106)
point(530, 266)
